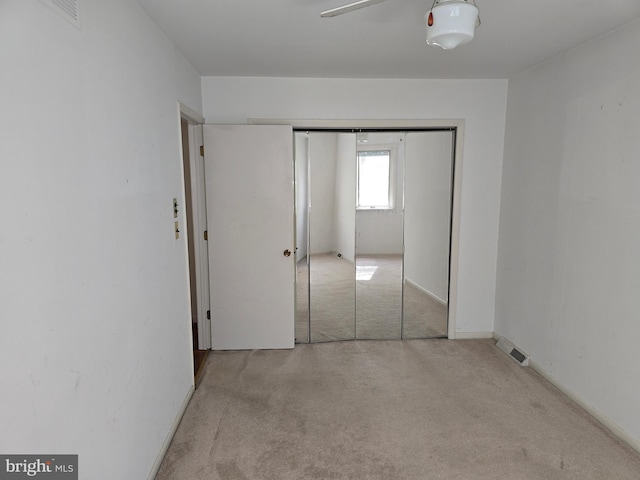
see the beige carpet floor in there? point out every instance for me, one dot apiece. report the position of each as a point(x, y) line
point(387, 410)
point(345, 302)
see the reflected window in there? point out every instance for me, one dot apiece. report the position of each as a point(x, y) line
point(374, 179)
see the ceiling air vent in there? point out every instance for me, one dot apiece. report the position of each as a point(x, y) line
point(68, 9)
point(510, 349)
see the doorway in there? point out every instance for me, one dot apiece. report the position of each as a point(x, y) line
point(196, 234)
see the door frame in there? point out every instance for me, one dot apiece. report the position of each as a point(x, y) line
point(198, 205)
point(457, 125)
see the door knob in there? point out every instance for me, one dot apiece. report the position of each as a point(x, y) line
point(287, 253)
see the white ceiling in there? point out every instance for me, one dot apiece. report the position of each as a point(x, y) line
point(287, 38)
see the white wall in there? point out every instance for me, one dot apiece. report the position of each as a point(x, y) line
point(95, 343)
point(569, 252)
point(427, 214)
point(345, 215)
point(322, 192)
point(378, 232)
point(481, 103)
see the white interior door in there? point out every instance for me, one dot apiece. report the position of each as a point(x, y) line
point(250, 217)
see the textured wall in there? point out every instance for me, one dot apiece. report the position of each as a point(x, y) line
point(95, 343)
point(569, 249)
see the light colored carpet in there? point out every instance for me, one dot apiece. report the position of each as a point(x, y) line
point(424, 316)
point(332, 298)
point(367, 302)
point(379, 298)
point(387, 410)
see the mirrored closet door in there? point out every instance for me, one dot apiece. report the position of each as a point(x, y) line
point(301, 179)
point(428, 186)
point(379, 235)
point(373, 214)
point(327, 269)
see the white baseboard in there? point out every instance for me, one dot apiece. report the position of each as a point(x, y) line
point(172, 432)
point(603, 419)
point(425, 291)
point(612, 426)
point(472, 335)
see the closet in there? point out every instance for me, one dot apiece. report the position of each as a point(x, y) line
point(373, 233)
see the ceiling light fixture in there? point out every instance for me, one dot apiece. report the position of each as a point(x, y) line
point(451, 22)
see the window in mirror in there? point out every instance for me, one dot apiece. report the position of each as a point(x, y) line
point(374, 179)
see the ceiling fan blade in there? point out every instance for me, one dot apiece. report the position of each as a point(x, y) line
point(349, 8)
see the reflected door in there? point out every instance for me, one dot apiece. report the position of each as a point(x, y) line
point(427, 232)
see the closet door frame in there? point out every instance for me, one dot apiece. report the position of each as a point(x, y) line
point(457, 125)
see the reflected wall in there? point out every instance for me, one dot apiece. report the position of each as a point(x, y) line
point(427, 232)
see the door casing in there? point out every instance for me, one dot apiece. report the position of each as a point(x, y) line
point(199, 226)
point(397, 124)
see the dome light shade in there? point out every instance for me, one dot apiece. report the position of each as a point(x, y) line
point(451, 23)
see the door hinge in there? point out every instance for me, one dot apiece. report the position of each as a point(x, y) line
point(202, 150)
point(206, 235)
point(208, 314)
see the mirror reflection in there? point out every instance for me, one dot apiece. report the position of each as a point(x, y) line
point(301, 168)
point(331, 241)
point(427, 227)
point(379, 235)
point(373, 234)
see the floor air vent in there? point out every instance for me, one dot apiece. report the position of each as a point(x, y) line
point(68, 9)
point(510, 349)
